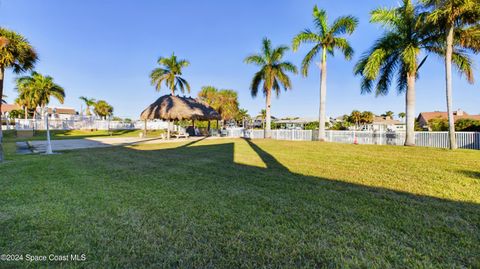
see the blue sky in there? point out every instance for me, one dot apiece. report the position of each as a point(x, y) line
point(106, 49)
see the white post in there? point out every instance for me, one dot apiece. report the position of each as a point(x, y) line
point(49, 144)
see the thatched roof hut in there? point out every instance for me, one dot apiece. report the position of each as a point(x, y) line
point(170, 107)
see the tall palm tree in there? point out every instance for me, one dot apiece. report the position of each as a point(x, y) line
point(272, 73)
point(17, 54)
point(170, 73)
point(396, 53)
point(41, 88)
point(89, 102)
point(460, 18)
point(325, 40)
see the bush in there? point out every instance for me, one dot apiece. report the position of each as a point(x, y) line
point(467, 125)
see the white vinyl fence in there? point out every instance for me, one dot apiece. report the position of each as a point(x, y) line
point(87, 124)
point(465, 140)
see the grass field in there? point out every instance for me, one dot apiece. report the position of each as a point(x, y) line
point(233, 203)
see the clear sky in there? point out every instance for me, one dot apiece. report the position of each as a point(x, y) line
point(106, 49)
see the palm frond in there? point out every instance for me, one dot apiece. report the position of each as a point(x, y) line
point(306, 36)
point(344, 25)
point(307, 60)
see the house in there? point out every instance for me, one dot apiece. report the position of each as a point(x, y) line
point(293, 123)
point(9, 107)
point(258, 121)
point(425, 117)
point(383, 124)
point(60, 112)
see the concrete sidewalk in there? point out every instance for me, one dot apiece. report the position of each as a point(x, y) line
point(99, 142)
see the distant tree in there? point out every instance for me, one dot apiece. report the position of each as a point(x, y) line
point(273, 74)
point(89, 102)
point(103, 109)
point(388, 114)
point(17, 54)
point(367, 117)
point(16, 114)
point(355, 118)
point(325, 40)
point(437, 125)
point(263, 114)
point(224, 101)
point(467, 125)
point(242, 116)
point(170, 73)
point(401, 115)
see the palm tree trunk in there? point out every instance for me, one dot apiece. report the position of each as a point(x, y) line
point(1, 126)
point(268, 127)
point(448, 80)
point(26, 114)
point(410, 110)
point(323, 96)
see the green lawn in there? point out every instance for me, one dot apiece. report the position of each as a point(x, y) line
point(233, 203)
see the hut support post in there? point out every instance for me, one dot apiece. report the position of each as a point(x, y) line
point(168, 129)
point(145, 129)
point(208, 127)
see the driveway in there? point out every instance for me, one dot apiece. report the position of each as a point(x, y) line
point(96, 142)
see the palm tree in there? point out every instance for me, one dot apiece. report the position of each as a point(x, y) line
point(356, 117)
point(325, 40)
point(367, 117)
point(401, 115)
point(228, 104)
point(15, 53)
point(40, 88)
point(272, 73)
point(263, 115)
point(388, 114)
point(170, 73)
point(89, 102)
point(241, 116)
point(460, 18)
point(407, 34)
point(103, 109)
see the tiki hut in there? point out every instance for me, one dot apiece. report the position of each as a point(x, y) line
point(170, 108)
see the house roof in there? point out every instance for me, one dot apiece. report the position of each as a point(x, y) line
point(63, 110)
point(385, 121)
point(427, 116)
point(296, 121)
point(10, 107)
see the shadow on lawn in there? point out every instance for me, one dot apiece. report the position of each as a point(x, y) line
point(471, 174)
point(392, 223)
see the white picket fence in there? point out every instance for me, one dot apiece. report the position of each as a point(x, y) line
point(87, 124)
point(465, 140)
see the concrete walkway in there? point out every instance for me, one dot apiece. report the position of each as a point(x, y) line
point(99, 142)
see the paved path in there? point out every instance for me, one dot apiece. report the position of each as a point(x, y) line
point(99, 142)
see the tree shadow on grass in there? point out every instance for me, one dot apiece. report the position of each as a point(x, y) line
point(194, 206)
point(471, 174)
